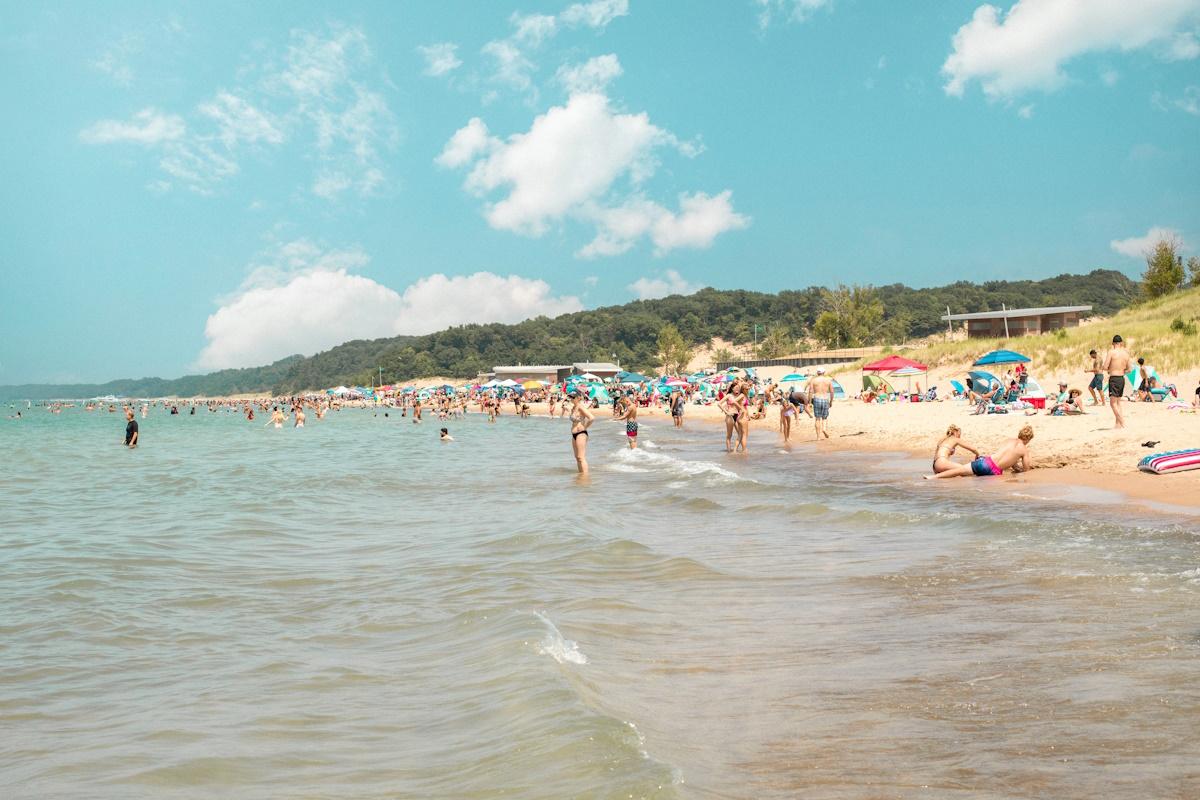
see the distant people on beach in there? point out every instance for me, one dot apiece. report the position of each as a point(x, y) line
point(1116, 364)
point(1013, 454)
point(131, 429)
point(1096, 386)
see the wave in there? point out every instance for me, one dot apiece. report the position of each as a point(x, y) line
point(557, 646)
point(644, 461)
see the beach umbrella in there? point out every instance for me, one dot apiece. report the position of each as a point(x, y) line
point(907, 373)
point(675, 382)
point(508, 383)
point(587, 376)
point(891, 364)
point(531, 385)
point(793, 377)
point(984, 381)
point(1001, 357)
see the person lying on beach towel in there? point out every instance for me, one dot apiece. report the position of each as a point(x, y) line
point(1013, 454)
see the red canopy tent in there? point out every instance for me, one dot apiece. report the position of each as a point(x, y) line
point(893, 363)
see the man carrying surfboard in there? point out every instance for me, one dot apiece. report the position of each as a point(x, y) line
point(1116, 364)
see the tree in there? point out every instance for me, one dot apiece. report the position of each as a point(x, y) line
point(673, 352)
point(850, 317)
point(1164, 268)
point(1194, 270)
point(722, 354)
point(778, 343)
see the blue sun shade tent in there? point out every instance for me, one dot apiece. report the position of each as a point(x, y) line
point(1001, 357)
point(984, 381)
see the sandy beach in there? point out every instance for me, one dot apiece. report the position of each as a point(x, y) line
point(1082, 450)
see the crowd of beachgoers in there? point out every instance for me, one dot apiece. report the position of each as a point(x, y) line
point(739, 399)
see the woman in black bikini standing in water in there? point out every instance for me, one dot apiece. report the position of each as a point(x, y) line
point(581, 419)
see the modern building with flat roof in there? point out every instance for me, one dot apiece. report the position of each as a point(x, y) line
point(551, 373)
point(1011, 322)
point(601, 369)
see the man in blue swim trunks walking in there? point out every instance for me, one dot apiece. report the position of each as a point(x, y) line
point(820, 391)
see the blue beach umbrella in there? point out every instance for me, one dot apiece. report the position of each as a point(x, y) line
point(1001, 357)
point(793, 377)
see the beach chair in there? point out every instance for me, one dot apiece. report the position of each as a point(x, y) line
point(959, 389)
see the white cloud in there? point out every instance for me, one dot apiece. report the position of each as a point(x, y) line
point(596, 14)
point(670, 283)
point(593, 75)
point(307, 299)
point(570, 155)
point(320, 92)
point(437, 301)
point(465, 145)
point(238, 121)
point(1182, 47)
point(1109, 77)
point(1026, 48)
point(696, 225)
point(440, 58)
point(533, 29)
point(585, 161)
point(1189, 102)
point(148, 127)
point(114, 61)
point(512, 68)
point(1140, 246)
point(792, 10)
point(319, 66)
point(1026, 111)
point(197, 165)
point(331, 184)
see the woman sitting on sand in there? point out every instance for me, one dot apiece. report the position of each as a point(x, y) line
point(1072, 405)
point(946, 447)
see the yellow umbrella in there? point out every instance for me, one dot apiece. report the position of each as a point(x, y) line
point(531, 385)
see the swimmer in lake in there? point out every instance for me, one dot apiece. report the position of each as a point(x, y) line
point(629, 415)
point(299, 417)
point(445, 435)
point(277, 418)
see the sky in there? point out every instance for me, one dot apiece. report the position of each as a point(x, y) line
point(189, 187)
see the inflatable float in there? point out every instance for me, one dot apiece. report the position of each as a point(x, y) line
point(1175, 461)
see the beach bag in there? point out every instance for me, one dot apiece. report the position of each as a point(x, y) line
point(1174, 461)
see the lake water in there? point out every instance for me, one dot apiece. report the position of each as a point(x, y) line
point(355, 610)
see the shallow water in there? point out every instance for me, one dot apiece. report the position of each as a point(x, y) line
point(358, 610)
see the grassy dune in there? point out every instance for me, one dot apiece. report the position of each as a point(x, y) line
point(1146, 328)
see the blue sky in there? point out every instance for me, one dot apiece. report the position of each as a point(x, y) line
point(193, 186)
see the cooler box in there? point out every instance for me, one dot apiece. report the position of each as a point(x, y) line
point(1036, 402)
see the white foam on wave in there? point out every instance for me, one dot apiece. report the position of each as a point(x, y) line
point(557, 646)
point(644, 461)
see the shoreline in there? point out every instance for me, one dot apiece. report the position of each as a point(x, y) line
point(1094, 471)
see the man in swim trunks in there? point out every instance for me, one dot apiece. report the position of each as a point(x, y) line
point(1013, 454)
point(1096, 387)
point(1116, 364)
point(821, 391)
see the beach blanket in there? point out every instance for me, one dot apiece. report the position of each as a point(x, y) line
point(1174, 461)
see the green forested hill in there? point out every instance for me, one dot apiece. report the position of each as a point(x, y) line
point(627, 331)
